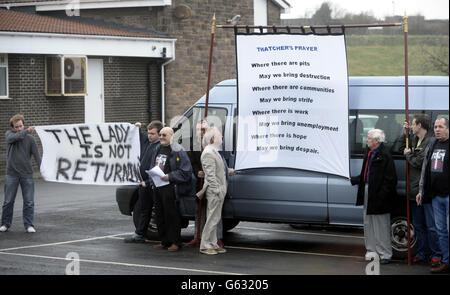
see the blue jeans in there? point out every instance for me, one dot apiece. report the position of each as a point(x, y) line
point(11, 186)
point(440, 207)
point(427, 237)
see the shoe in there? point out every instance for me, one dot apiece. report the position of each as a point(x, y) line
point(417, 260)
point(191, 243)
point(442, 268)
point(385, 261)
point(435, 262)
point(220, 243)
point(134, 239)
point(370, 256)
point(31, 229)
point(159, 246)
point(173, 248)
point(221, 250)
point(3, 228)
point(208, 251)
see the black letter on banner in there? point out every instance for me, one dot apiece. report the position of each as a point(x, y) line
point(61, 170)
point(98, 151)
point(101, 135)
point(70, 137)
point(77, 168)
point(126, 132)
point(117, 172)
point(86, 149)
point(82, 128)
point(54, 133)
point(105, 177)
point(98, 164)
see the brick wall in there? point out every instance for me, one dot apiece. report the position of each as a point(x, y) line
point(127, 79)
point(126, 95)
point(186, 77)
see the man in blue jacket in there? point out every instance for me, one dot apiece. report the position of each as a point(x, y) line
point(174, 162)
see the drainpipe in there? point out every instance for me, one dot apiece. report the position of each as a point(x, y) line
point(163, 91)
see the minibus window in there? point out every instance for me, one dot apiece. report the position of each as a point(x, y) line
point(187, 134)
point(361, 122)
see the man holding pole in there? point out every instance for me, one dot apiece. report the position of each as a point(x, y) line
point(422, 216)
point(194, 157)
point(434, 185)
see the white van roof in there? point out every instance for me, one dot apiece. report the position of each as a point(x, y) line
point(380, 81)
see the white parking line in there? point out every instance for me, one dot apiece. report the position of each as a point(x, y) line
point(63, 243)
point(272, 250)
point(117, 236)
point(299, 232)
point(126, 264)
point(294, 252)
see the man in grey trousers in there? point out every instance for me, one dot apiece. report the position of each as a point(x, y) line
point(20, 146)
point(376, 192)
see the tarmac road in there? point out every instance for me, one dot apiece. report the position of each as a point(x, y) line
point(83, 221)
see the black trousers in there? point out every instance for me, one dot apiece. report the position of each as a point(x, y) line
point(146, 199)
point(168, 218)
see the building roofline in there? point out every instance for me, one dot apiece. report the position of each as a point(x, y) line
point(14, 21)
point(70, 5)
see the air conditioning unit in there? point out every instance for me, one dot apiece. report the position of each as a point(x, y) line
point(65, 75)
point(72, 68)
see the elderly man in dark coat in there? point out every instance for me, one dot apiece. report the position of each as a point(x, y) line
point(376, 191)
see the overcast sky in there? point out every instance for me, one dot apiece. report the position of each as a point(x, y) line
point(431, 9)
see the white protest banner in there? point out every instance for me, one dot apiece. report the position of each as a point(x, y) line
point(103, 153)
point(292, 102)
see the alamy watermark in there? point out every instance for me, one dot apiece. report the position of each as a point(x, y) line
point(73, 267)
point(73, 8)
point(373, 267)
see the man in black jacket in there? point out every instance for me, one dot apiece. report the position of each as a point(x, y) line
point(173, 160)
point(149, 143)
point(376, 191)
point(434, 185)
point(428, 249)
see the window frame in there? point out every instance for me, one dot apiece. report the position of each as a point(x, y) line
point(6, 66)
point(397, 155)
point(189, 116)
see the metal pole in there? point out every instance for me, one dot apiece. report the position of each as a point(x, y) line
point(311, 27)
point(405, 22)
point(199, 213)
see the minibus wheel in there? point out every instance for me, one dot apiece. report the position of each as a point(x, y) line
point(399, 237)
point(229, 224)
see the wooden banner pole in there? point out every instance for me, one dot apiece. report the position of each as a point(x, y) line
point(199, 213)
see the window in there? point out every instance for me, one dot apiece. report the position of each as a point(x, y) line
point(361, 122)
point(65, 75)
point(3, 76)
point(186, 132)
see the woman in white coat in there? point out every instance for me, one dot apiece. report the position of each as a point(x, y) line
point(215, 188)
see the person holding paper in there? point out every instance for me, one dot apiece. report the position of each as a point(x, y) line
point(215, 188)
point(149, 143)
point(173, 160)
point(20, 147)
point(376, 192)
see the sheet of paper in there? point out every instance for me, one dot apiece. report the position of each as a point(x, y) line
point(155, 174)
